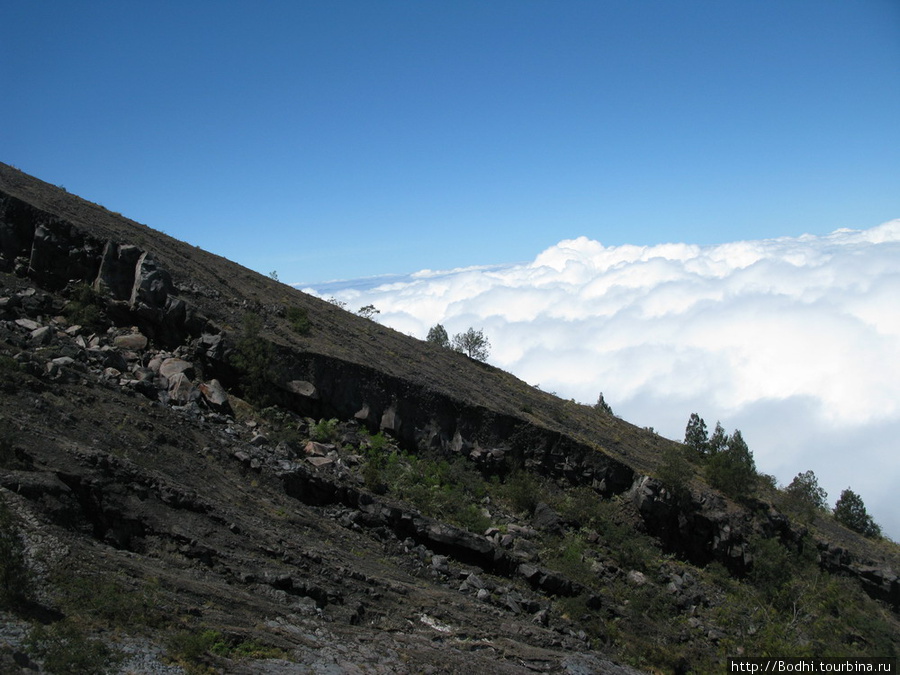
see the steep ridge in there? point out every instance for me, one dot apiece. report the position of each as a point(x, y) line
point(139, 451)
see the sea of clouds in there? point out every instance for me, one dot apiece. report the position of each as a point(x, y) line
point(795, 341)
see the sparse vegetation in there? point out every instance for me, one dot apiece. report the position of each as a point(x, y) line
point(443, 488)
point(522, 491)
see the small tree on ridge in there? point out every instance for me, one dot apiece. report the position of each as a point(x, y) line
point(437, 335)
point(473, 344)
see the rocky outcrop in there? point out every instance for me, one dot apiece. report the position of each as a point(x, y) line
point(879, 581)
point(700, 529)
point(55, 254)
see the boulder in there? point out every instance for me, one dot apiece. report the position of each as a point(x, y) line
point(212, 345)
point(302, 388)
point(390, 420)
point(28, 324)
point(215, 396)
point(41, 336)
point(174, 366)
point(320, 461)
point(133, 342)
point(314, 449)
point(546, 519)
point(181, 390)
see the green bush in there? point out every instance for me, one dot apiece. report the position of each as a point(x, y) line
point(675, 471)
point(585, 509)
point(449, 489)
point(85, 306)
point(569, 557)
point(324, 431)
point(522, 491)
point(252, 357)
point(299, 320)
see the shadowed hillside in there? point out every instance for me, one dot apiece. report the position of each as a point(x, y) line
point(205, 470)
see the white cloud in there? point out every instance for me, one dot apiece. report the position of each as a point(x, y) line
point(796, 341)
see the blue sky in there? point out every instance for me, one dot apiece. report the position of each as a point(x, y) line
point(336, 140)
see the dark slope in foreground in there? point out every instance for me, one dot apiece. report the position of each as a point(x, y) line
point(450, 518)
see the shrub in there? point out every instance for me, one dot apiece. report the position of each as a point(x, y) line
point(324, 431)
point(107, 603)
point(299, 320)
point(584, 508)
point(522, 491)
point(191, 648)
point(10, 458)
point(368, 311)
point(85, 306)
point(252, 357)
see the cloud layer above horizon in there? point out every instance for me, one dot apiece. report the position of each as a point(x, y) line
point(795, 341)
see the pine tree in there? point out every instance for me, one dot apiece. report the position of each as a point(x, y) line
point(851, 511)
point(602, 405)
point(733, 469)
point(805, 495)
point(437, 334)
point(718, 440)
point(696, 436)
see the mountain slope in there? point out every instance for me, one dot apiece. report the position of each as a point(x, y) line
point(222, 467)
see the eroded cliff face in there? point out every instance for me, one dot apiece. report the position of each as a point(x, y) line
point(140, 293)
point(56, 254)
